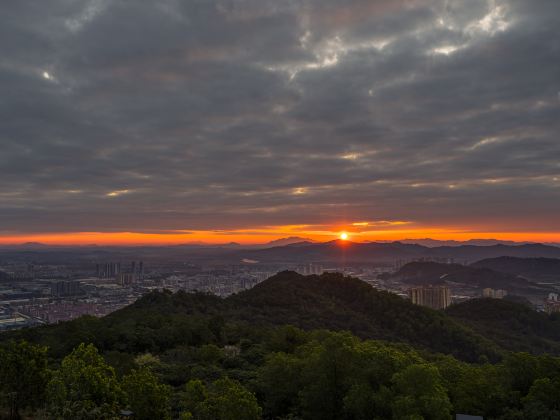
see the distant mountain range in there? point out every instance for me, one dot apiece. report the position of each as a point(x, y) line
point(428, 242)
point(347, 251)
point(288, 250)
point(193, 244)
point(288, 241)
point(477, 242)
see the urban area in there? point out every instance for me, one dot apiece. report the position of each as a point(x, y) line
point(33, 294)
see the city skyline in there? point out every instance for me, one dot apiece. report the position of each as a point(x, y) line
point(252, 120)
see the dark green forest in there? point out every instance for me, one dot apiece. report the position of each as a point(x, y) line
point(293, 347)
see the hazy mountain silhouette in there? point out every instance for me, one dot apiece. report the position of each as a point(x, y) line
point(424, 273)
point(537, 269)
point(347, 251)
point(478, 242)
point(287, 241)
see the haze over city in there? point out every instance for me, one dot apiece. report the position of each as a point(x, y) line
point(248, 120)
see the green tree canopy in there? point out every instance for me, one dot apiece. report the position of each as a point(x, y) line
point(224, 399)
point(279, 382)
point(419, 394)
point(85, 387)
point(543, 400)
point(23, 374)
point(146, 396)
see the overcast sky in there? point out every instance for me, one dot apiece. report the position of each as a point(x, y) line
point(156, 116)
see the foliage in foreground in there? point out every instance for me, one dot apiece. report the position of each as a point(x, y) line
point(284, 373)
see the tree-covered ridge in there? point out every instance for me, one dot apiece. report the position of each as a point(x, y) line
point(511, 325)
point(424, 273)
point(281, 373)
point(336, 302)
point(161, 320)
point(536, 269)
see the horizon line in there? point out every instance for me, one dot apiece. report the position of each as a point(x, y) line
point(271, 243)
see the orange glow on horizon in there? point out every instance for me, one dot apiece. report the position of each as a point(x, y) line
point(263, 235)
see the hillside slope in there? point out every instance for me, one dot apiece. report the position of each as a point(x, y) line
point(536, 269)
point(423, 273)
point(336, 302)
point(511, 325)
point(162, 320)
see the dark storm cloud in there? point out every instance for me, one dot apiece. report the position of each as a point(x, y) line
point(217, 114)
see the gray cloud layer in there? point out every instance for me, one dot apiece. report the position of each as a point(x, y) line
point(216, 114)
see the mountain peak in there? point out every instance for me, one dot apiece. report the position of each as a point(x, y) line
point(289, 241)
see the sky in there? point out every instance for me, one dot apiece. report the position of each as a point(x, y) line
point(249, 120)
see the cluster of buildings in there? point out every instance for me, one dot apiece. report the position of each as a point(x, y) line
point(440, 297)
point(218, 281)
point(435, 297)
point(123, 276)
point(54, 312)
point(65, 288)
point(552, 303)
point(61, 293)
point(112, 270)
point(494, 293)
point(11, 319)
point(311, 268)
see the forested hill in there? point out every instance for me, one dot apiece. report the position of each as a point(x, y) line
point(537, 269)
point(341, 303)
point(335, 302)
point(511, 325)
point(161, 320)
point(423, 273)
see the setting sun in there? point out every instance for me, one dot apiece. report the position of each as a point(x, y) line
point(343, 236)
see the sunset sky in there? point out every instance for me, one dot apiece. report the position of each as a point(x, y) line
point(137, 122)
